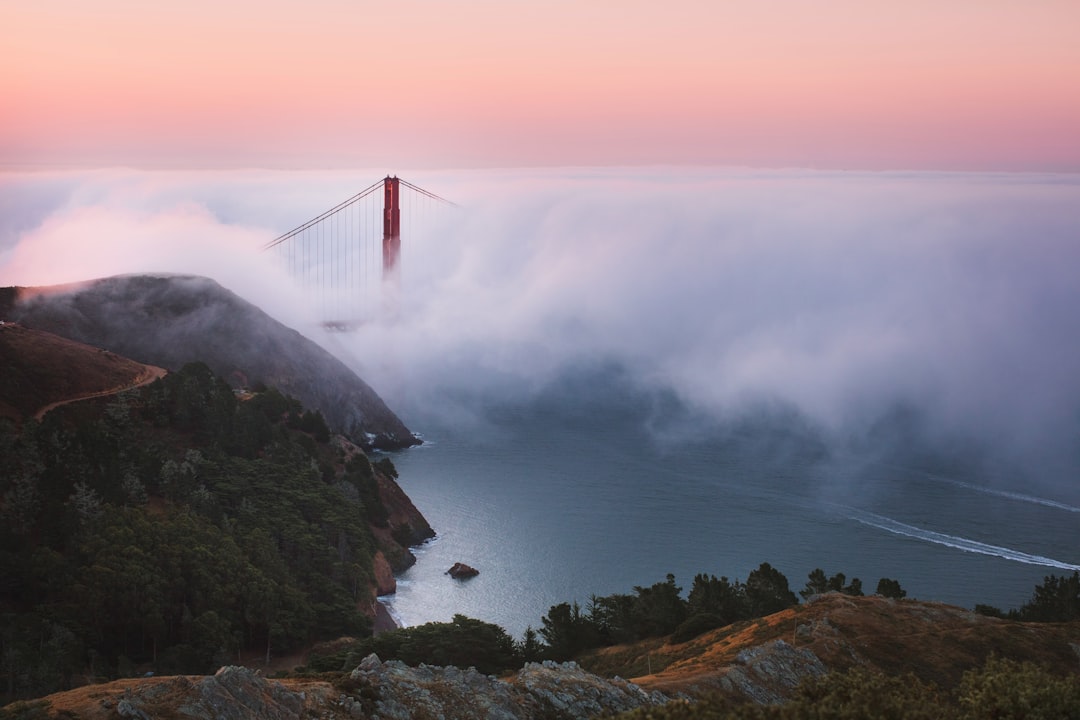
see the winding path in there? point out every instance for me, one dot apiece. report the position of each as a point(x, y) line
point(149, 374)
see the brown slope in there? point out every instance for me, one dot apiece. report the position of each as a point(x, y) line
point(39, 371)
point(171, 320)
point(764, 659)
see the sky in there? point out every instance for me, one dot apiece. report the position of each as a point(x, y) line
point(975, 85)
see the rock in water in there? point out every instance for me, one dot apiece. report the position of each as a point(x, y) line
point(461, 571)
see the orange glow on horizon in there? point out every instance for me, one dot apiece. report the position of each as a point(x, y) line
point(838, 84)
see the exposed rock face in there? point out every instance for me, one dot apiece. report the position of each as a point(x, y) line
point(461, 571)
point(389, 691)
point(172, 320)
point(394, 691)
point(385, 584)
point(234, 693)
point(765, 659)
point(770, 673)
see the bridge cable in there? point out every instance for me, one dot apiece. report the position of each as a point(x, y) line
point(360, 195)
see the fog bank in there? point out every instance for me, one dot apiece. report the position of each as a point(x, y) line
point(950, 300)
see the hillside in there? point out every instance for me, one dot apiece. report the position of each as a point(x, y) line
point(39, 370)
point(760, 661)
point(169, 321)
point(177, 525)
point(764, 659)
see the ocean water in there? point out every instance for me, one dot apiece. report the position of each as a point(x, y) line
point(559, 498)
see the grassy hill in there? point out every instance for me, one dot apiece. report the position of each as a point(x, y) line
point(766, 658)
point(39, 369)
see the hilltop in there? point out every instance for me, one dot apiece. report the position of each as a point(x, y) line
point(171, 320)
point(764, 659)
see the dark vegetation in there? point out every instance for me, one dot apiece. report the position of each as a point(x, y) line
point(1056, 600)
point(175, 528)
point(660, 610)
point(1002, 689)
point(463, 642)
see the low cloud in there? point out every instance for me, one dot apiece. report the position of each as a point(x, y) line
point(842, 295)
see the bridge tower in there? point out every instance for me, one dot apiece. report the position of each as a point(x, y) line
point(333, 256)
point(391, 242)
point(391, 247)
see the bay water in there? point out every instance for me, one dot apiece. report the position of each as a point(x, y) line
point(595, 490)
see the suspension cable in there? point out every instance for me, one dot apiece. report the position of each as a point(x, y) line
point(359, 196)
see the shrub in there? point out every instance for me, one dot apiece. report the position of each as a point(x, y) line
point(696, 625)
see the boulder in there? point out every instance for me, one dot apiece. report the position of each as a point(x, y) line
point(461, 571)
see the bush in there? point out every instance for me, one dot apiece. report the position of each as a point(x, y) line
point(1007, 690)
point(890, 589)
point(696, 625)
point(1056, 600)
point(463, 642)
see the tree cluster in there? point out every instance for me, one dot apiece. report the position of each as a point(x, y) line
point(1056, 600)
point(660, 610)
point(173, 529)
point(464, 642)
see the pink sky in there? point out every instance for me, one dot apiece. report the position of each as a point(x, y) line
point(861, 84)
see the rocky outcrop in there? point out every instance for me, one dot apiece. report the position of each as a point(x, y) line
point(385, 583)
point(461, 571)
point(233, 693)
point(764, 660)
point(770, 673)
point(169, 321)
point(389, 691)
point(394, 691)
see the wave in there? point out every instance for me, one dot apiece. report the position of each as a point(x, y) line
point(1045, 502)
point(974, 546)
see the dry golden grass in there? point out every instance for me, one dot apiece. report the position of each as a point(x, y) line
point(934, 641)
point(42, 371)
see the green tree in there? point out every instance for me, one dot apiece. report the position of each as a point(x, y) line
point(890, 589)
point(531, 649)
point(767, 591)
point(816, 584)
point(719, 597)
point(614, 618)
point(659, 608)
point(567, 631)
point(1056, 600)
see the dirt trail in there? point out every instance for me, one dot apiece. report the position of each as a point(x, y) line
point(147, 375)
